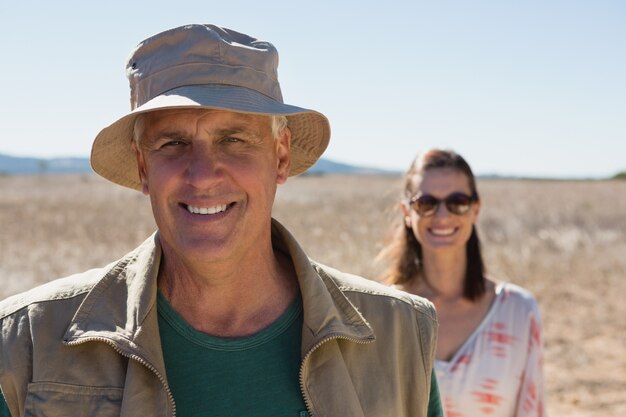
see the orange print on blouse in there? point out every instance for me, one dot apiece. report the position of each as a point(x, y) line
point(488, 397)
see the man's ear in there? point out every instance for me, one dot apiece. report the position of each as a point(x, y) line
point(283, 155)
point(141, 169)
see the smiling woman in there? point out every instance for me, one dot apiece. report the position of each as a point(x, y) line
point(489, 349)
point(448, 176)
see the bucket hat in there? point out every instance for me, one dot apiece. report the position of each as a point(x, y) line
point(204, 66)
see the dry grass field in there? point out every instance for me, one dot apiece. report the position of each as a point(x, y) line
point(565, 241)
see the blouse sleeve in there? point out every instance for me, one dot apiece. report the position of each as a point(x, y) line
point(531, 400)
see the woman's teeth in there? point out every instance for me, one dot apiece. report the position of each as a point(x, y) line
point(442, 232)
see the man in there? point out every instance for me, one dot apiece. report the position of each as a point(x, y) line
point(220, 313)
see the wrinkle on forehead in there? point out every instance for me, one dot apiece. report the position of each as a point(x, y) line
point(185, 122)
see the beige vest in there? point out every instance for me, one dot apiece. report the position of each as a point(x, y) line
point(89, 345)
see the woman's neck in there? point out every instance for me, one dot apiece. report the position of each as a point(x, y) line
point(444, 275)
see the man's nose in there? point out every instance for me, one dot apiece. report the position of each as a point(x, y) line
point(204, 167)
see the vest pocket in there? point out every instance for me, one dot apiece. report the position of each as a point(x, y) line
point(49, 399)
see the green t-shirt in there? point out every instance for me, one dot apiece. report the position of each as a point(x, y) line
point(435, 409)
point(223, 377)
point(4, 408)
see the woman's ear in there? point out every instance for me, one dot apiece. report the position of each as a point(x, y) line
point(476, 210)
point(406, 212)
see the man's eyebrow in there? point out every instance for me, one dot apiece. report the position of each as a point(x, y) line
point(238, 129)
point(167, 133)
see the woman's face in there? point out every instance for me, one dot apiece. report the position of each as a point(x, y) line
point(440, 229)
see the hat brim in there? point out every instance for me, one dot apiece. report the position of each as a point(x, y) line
point(112, 156)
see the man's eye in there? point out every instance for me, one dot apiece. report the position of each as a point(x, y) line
point(172, 143)
point(230, 139)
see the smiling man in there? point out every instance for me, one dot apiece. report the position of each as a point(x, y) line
point(220, 312)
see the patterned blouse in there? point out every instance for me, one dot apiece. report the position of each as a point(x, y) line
point(497, 372)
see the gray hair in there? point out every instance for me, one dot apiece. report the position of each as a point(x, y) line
point(278, 123)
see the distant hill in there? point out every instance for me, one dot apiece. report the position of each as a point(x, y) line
point(619, 176)
point(326, 166)
point(11, 165)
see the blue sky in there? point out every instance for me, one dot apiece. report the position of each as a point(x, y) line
point(534, 88)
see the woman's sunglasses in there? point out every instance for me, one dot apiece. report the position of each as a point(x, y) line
point(456, 203)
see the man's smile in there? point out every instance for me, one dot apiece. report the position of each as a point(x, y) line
point(208, 210)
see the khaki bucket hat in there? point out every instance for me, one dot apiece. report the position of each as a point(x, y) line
point(204, 66)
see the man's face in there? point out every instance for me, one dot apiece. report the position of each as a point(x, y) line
point(211, 177)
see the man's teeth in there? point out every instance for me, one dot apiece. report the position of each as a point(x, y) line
point(207, 210)
point(442, 232)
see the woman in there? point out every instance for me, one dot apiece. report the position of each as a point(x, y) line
point(489, 351)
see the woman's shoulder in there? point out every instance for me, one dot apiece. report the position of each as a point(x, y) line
point(514, 297)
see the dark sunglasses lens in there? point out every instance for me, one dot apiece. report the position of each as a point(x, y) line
point(458, 203)
point(425, 205)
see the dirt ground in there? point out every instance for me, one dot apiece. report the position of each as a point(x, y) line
point(564, 241)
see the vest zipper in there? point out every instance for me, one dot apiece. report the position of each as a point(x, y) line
point(135, 358)
point(307, 402)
